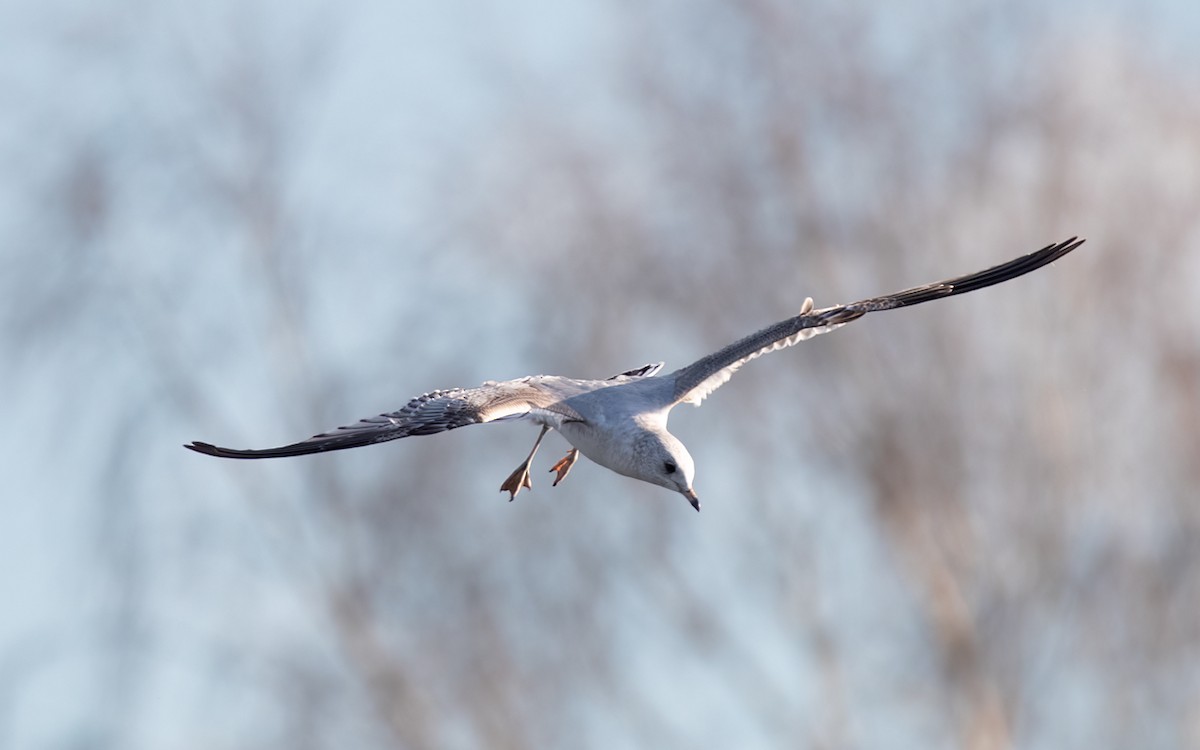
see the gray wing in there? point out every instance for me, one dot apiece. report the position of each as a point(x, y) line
point(694, 382)
point(437, 411)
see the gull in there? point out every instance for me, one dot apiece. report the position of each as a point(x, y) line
point(621, 422)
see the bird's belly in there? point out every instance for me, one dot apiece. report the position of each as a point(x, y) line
point(600, 445)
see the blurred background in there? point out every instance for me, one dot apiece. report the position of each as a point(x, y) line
point(974, 524)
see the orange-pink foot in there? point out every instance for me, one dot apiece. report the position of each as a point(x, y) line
point(518, 479)
point(563, 467)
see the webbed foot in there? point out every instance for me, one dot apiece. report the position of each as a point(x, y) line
point(563, 467)
point(520, 476)
point(518, 479)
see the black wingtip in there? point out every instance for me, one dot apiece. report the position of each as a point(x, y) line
point(1003, 272)
point(209, 449)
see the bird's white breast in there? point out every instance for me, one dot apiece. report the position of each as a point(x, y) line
point(615, 418)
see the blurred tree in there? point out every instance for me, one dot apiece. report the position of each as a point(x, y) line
point(967, 524)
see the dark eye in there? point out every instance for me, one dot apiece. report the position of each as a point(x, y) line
point(669, 467)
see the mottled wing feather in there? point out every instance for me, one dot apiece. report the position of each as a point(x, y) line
point(427, 414)
point(696, 381)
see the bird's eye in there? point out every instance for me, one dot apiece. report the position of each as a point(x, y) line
point(669, 467)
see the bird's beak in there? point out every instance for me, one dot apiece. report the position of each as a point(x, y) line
point(690, 494)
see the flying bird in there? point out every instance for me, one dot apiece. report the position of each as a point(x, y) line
point(621, 422)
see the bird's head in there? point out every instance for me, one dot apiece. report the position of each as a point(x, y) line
point(661, 459)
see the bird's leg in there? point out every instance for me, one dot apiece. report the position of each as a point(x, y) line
point(563, 467)
point(520, 476)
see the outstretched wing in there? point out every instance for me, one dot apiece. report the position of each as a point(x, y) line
point(694, 382)
point(436, 411)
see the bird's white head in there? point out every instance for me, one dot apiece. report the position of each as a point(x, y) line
point(661, 459)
